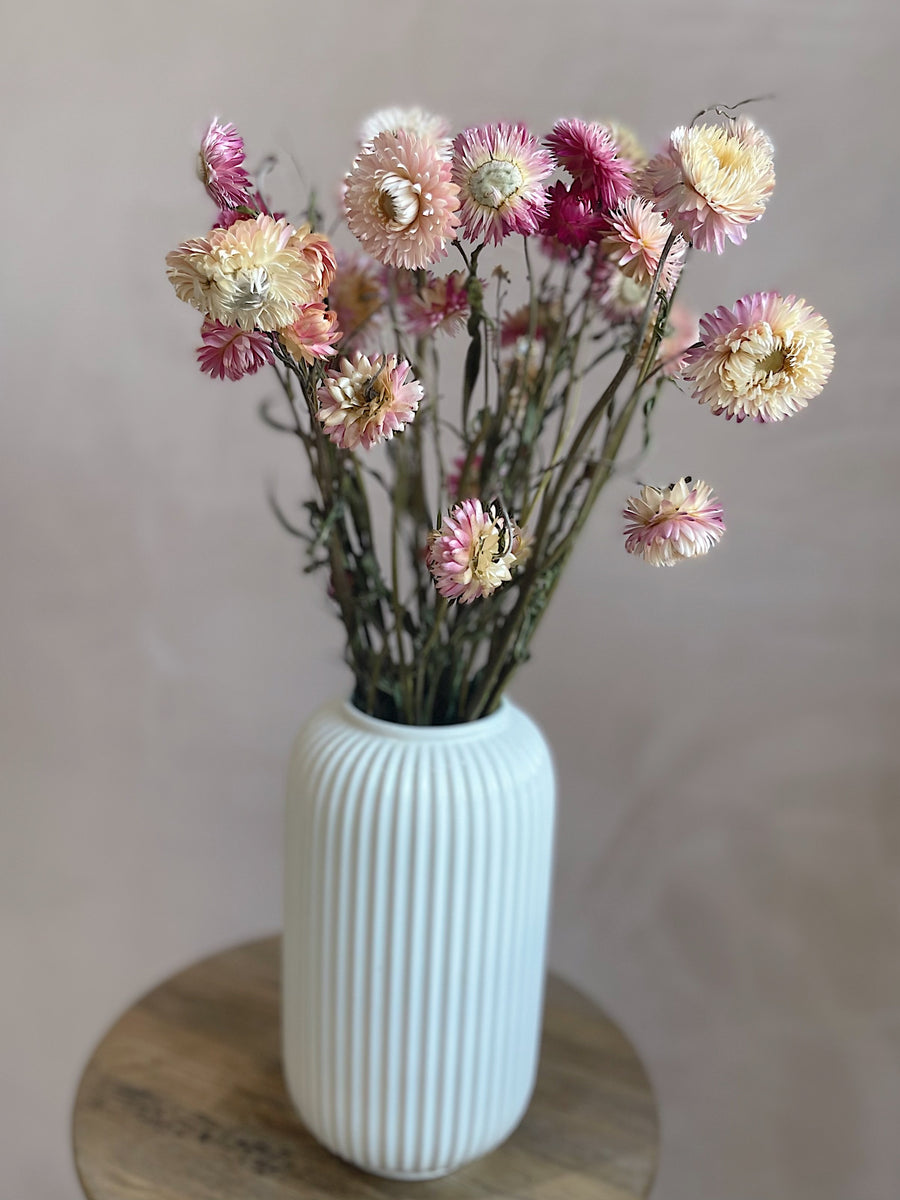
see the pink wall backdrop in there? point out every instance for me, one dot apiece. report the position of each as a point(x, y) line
point(726, 732)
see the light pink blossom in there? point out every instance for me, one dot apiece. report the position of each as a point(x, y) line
point(230, 353)
point(313, 334)
point(666, 525)
point(442, 304)
point(400, 201)
point(471, 554)
point(499, 171)
point(367, 400)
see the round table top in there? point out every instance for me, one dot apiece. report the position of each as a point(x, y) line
point(184, 1100)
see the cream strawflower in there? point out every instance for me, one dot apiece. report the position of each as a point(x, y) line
point(366, 400)
point(666, 525)
point(399, 200)
point(763, 359)
point(471, 554)
point(414, 120)
point(253, 274)
point(711, 181)
point(636, 240)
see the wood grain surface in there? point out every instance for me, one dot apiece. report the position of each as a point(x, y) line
point(184, 1100)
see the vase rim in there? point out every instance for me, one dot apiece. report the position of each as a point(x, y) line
point(420, 733)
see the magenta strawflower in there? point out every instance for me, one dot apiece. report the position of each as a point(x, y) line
point(471, 554)
point(711, 181)
point(666, 525)
point(498, 170)
point(399, 200)
point(312, 335)
point(230, 353)
point(763, 359)
point(571, 219)
point(461, 481)
point(590, 154)
point(442, 304)
point(220, 166)
point(365, 401)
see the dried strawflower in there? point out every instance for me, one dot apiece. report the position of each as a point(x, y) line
point(313, 334)
point(516, 326)
point(498, 170)
point(590, 154)
point(711, 181)
point(231, 353)
point(462, 480)
point(255, 273)
point(356, 293)
point(220, 166)
point(629, 147)
point(443, 303)
point(668, 524)
point(682, 331)
point(413, 120)
point(366, 400)
point(400, 201)
point(763, 359)
point(619, 297)
point(636, 240)
point(571, 219)
point(471, 554)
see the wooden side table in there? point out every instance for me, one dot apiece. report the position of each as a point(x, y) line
point(184, 1100)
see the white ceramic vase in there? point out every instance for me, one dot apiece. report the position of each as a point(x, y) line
point(417, 896)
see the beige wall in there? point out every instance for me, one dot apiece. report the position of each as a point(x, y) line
point(727, 732)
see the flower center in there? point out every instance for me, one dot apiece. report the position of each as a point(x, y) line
point(494, 182)
point(398, 202)
point(773, 362)
point(251, 287)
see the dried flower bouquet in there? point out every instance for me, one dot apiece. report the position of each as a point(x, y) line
point(439, 610)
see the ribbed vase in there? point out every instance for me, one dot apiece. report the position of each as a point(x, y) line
point(417, 895)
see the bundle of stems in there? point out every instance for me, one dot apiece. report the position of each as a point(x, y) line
point(530, 445)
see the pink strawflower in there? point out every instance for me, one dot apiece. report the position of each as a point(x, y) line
point(230, 353)
point(711, 181)
point(763, 359)
point(498, 170)
point(668, 524)
point(365, 401)
point(400, 201)
point(471, 554)
point(590, 154)
point(516, 326)
point(460, 482)
point(254, 274)
point(313, 334)
point(571, 218)
point(636, 240)
point(619, 297)
point(682, 332)
point(443, 304)
point(356, 294)
point(220, 166)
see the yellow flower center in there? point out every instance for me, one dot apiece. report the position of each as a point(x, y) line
point(774, 361)
point(398, 202)
point(494, 182)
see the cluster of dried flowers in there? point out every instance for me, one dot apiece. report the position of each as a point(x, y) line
point(354, 339)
